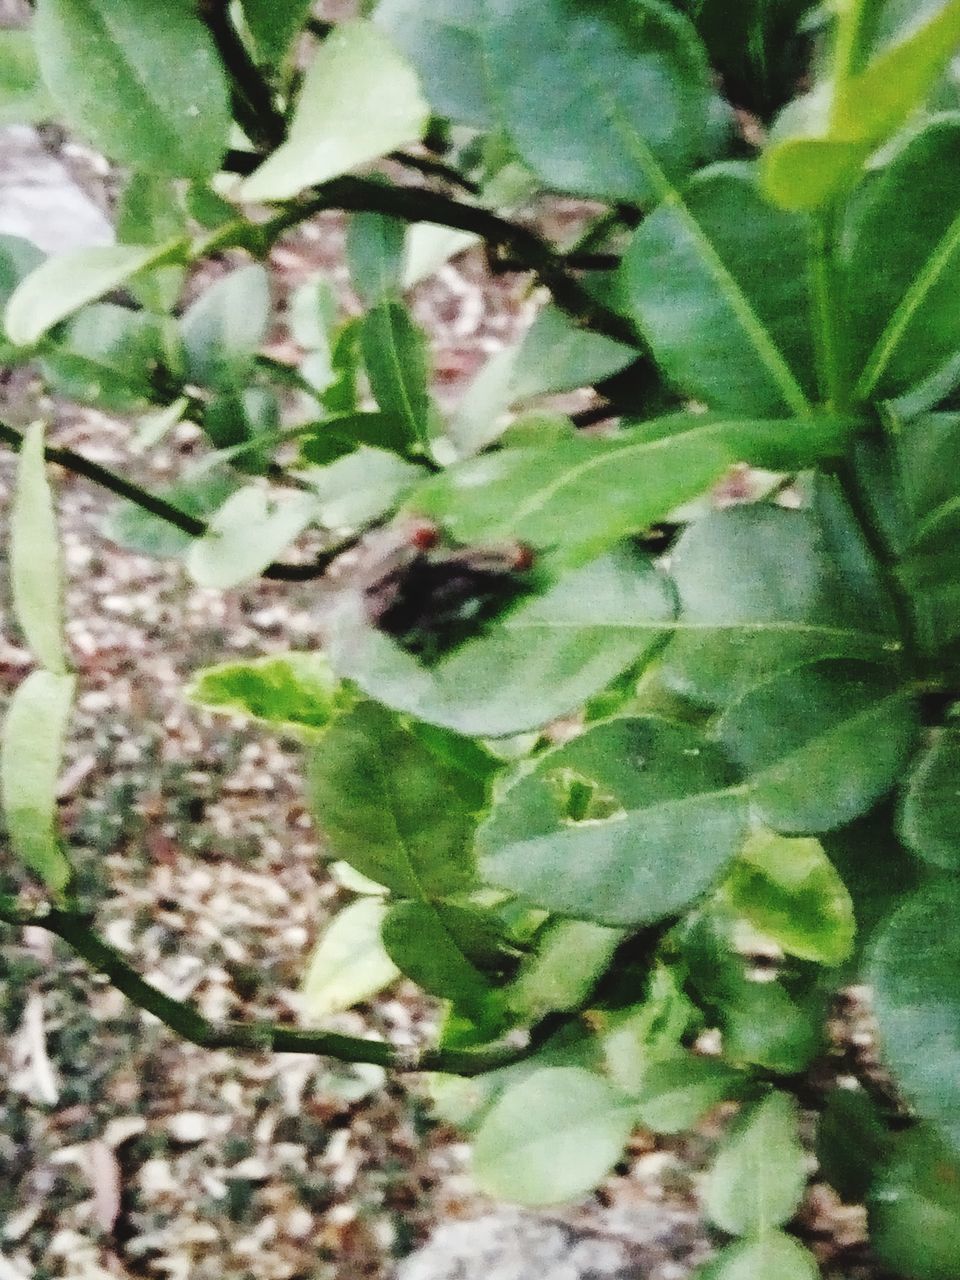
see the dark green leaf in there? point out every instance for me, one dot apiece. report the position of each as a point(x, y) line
point(719, 285)
point(359, 100)
point(914, 1211)
point(546, 656)
point(395, 354)
point(852, 1143)
point(293, 690)
point(551, 1137)
point(915, 972)
point(604, 100)
point(144, 82)
point(390, 808)
point(421, 939)
point(761, 590)
point(577, 496)
point(759, 1176)
point(821, 744)
point(789, 891)
point(30, 754)
point(274, 25)
point(223, 329)
point(930, 812)
point(627, 824)
point(35, 559)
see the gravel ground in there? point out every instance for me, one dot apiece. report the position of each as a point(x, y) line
point(124, 1152)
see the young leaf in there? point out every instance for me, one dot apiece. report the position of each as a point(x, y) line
point(35, 560)
point(442, 40)
point(390, 808)
point(758, 1178)
point(821, 743)
point(65, 283)
point(293, 690)
point(604, 101)
point(627, 824)
point(360, 100)
point(773, 1254)
point(790, 891)
point(551, 1137)
point(223, 329)
point(914, 970)
point(577, 496)
point(929, 821)
point(719, 286)
point(545, 657)
point(252, 528)
point(395, 354)
point(30, 753)
point(349, 963)
point(143, 81)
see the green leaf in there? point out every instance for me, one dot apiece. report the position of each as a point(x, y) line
point(35, 559)
point(144, 82)
point(429, 247)
point(150, 212)
point(395, 354)
point(23, 96)
point(929, 819)
point(719, 286)
point(902, 326)
point(422, 940)
point(67, 282)
point(442, 40)
point(758, 1179)
point(773, 1255)
point(852, 1143)
point(635, 1038)
point(821, 744)
point(542, 659)
point(570, 957)
point(607, 101)
point(915, 973)
point(360, 100)
point(294, 690)
point(375, 253)
point(223, 329)
point(551, 1137)
point(790, 891)
point(763, 589)
point(764, 1026)
point(914, 1210)
point(577, 496)
point(627, 824)
point(18, 258)
point(349, 963)
point(361, 487)
point(30, 754)
point(250, 530)
point(106, 355)
point(390, 808)
point(274, 24)
point(676, 1091)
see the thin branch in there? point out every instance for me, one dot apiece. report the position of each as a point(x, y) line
point(167, 511)
point(74, 928)
point(414, 204)
point(435, 169)
point(254, 106)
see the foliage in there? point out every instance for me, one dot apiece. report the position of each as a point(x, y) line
point(585, 739)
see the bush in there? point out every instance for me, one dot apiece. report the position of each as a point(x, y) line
point(587, 738)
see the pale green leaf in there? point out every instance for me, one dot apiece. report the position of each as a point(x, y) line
point(759, 1176)
point(30, 755)
point(360, 100)
point(774, 1256)
point(349, 963)
point(225, 326)
point(35, 559)
point(250, 530)
point(23, 95)
point(442, 40)
point(677, 1090)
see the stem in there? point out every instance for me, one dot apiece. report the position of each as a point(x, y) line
point(74, 928)
point(167, 511)
point(414, 204)
point(826, 301)
point(254, 107)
